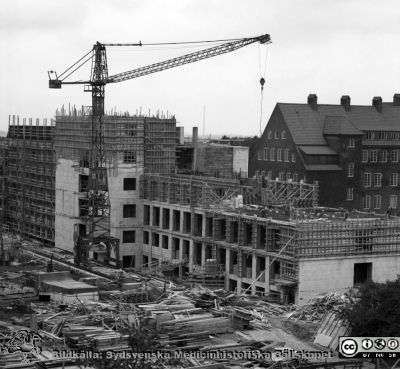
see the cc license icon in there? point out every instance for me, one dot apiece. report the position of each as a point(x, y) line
point(349, 347)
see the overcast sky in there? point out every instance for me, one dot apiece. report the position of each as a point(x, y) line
point(326, 47)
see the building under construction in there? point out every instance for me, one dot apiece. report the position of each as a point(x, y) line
point(133, 145)
point(249, 235)
point(266, 237)
point(28, 167)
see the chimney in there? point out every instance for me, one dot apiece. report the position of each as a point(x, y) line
point(345, 102)
point(195, 135)
point(396, 99)
point(377, 102)
point(312, 101)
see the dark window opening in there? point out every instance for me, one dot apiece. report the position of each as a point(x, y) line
point(362, 273)
point(129, 211)
point(128, 261)
point(129, 184)
point(128, 236)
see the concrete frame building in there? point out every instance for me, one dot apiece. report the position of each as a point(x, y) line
point(289, 253)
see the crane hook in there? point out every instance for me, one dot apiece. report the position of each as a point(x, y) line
point(262, 82)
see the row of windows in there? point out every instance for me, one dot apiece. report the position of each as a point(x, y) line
point(383, 156)
point(277, 135)
point(382, 136)
point(377, 202)
point(375, 179)
point(269, 154)
point(283, 177)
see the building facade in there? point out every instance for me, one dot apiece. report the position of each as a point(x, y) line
point(351, 150)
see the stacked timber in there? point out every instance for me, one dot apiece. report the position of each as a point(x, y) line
point(192, 332)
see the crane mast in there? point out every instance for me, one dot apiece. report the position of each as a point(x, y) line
point(98, 202)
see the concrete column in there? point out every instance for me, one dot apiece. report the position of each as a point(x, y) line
point(254, 273)
point(203, 225)
point(180, 257)
point(181, 221)
point(203, 254)
point(161, 218)
point(227, 262)
point(191, 254)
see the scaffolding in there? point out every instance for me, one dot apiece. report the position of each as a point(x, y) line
point(123, 137)
point(30, 183)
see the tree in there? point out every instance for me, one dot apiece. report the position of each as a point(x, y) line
point(376, 312)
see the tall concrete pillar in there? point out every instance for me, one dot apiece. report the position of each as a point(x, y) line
point(203, 254)
point(254, 273)
point(228, 263)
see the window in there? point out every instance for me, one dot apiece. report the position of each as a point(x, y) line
point(129, 211)
point(265, 157)
point(349, 194)
point(383, 156)
point(286, 155)
point(352, 143)
point(364, 158)
point(129, 184)
point(393, 179)
point(288, 176)
point(276, 135)
point(281, 176)
point(128, 236)
point(269, 134)
point(382, 135)
point(272, 154)
point(393, 201)
point(367, 179)
point(129, 156)
point(377, 201)
point(295, 177)
point(293, 158)
point(377, 179)
point(260, 155)
point(374, 156)
point(279, 154)
point(370, 136)
point(283, 135)
point(394, 156)
point(350, 170)
point(269, 174)
point(367, 202)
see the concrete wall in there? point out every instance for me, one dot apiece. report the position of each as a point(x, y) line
point(66, 206)
point(317, 276)
point(241, 160)
point(120, 197)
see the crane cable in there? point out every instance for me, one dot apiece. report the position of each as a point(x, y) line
point(262, 81)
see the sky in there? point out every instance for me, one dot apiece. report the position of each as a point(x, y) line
point(330, 48)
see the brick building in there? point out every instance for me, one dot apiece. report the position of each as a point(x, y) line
point(351, 150)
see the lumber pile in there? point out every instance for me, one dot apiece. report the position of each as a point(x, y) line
point(192, 332)
point(94, 338)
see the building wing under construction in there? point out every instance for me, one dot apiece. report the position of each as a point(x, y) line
point(270, 249)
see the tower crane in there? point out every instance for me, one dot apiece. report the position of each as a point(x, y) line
point(98, 219)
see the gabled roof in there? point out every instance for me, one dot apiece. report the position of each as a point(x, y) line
point(307, 126)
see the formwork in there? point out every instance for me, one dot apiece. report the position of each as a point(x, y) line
point(30, 173)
